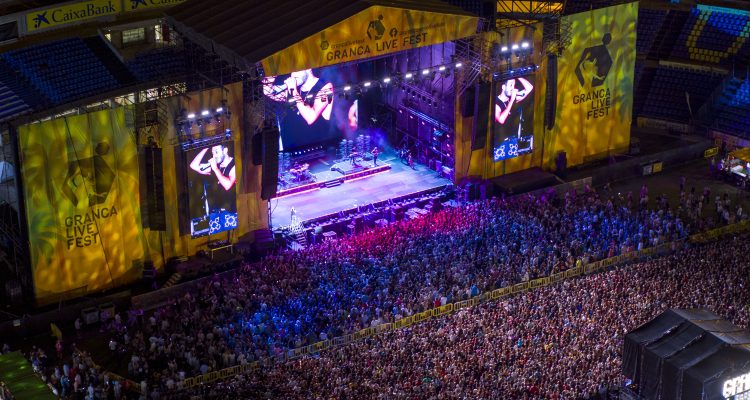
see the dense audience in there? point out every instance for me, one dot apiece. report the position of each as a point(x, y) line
point(560, 342)
point(297, 298)
point(292, 299)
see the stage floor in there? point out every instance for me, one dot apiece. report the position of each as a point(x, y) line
point(400, 180)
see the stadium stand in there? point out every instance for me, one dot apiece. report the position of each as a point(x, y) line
point(733, 108)
point(667, 97)
point(649, 24)
point(64, 70)
point(157, 64)
point(714, 36)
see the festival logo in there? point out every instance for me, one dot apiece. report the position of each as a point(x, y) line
point(376, 29)
point(41, 19)
point(595, 62)
point(592, 70)
point(91, 174)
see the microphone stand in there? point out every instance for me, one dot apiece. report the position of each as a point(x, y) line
point(208, 210)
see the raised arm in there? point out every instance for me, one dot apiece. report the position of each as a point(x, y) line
point(527, 88)
point(195, 165)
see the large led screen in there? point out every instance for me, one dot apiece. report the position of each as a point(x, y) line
point(319, 109)
point(514, 118)
point(212, 188)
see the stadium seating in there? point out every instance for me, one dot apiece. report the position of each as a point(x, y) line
point(714, 36)
point(157, 64)
point(63, 71)
point(732, 109)
point(16, 98)
point(666, 98)
point(649, 23)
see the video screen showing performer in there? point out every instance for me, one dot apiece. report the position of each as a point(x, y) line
point(212, 186)
point(514, 118)
point(318, 111)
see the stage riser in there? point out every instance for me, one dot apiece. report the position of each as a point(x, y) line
point(332, 182)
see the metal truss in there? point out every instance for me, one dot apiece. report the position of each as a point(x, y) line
point(516, 13)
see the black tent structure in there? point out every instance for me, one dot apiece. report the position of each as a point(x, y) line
point(688, 354)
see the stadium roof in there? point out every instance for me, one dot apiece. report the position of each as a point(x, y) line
point(244, 33)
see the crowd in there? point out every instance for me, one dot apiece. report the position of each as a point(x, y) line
point(563, 341)
point(292, 299)
point(298, 298)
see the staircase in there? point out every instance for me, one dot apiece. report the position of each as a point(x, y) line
point(110, 60)
point(173, 280)
point(333, 183)
point(298, 240)
point(668, 35)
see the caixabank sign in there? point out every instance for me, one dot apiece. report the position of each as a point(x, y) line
point(84, 11)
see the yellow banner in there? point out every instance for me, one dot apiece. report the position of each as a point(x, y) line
point(71, 13)
point(81, 184)
point(372, 32)
point(595, 85)
point(141, 5)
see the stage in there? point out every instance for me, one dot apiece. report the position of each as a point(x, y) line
point(395, 179)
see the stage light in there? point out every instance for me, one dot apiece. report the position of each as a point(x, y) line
point(386, 80)
point(347, 88)
point(459, 65)
point(504, 49)
point(514, 47)
point(204, 113)
point(220, 109)
point(442, 68)
point(525, 45)
point(367, 84)
point(309, 96)
point(408, 75)
point(228, 134)
point(191, 116)
point(292, 100)
point(425, 71)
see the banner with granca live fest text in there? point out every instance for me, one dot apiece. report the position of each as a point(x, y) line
point(373, 32)
point(80, 177)
point(595, 85)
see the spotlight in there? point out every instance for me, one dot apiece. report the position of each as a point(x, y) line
point(514, 47)
point(220, 109)
point(292, 100)
point(408, 75)
point(425, 71)
point(347, 88)
point(525, 45)
point(191, 116)
point(504, 49)
point(442, 68)
point(367, 84)
point(309, 96)
point(386, 80)
point(228, 134)
point(204, 113)
point(459, 65)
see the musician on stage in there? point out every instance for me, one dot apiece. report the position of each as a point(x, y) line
point(375, 153)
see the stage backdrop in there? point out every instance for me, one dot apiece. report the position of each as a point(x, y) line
point(595, 86)
point(80, 177)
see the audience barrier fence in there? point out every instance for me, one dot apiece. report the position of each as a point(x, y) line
point(580, 269)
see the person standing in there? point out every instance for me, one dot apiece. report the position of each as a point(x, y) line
point(375, 153)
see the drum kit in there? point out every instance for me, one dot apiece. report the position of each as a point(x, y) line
point(301, 173)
